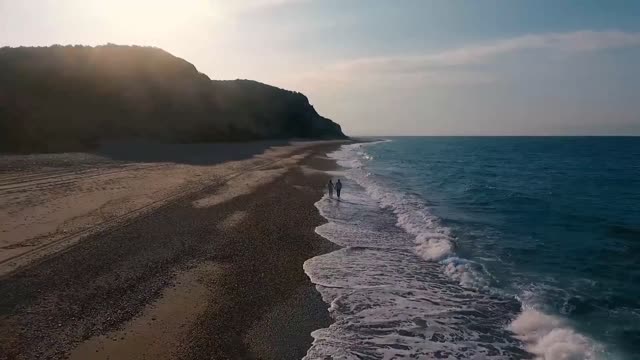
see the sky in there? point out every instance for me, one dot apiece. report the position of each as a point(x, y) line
point(402, 67)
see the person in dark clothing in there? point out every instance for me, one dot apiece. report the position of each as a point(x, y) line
point(330, 188)
point(338, 188)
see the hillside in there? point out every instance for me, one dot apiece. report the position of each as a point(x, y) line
point(65, 98)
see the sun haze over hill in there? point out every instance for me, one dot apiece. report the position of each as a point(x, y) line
point(73, 97)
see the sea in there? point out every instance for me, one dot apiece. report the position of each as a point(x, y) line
point(482, 248)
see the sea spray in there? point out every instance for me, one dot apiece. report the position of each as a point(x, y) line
point(549, 338)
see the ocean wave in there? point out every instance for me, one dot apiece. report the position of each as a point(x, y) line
point(468, 273)
point(391, 293)
point(433, 241)
point(433, 247)
point(549, 338)
point(388, 304)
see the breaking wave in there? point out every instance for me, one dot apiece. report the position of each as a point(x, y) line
point(397, 288)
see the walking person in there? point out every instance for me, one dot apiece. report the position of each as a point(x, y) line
point(330, 188)
point(338, 188)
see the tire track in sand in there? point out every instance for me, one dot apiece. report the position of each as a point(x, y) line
point(122, 220)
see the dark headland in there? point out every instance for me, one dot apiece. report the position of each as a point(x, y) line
point(69, 98)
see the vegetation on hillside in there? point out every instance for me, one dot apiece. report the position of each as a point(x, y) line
point(64, 98)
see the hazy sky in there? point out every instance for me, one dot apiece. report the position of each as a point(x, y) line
point(396, 67)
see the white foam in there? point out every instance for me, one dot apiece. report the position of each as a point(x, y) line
point(549, 338)
point(389, 304)
point(391, 295)
point(388, 295)
point(433, 247)
point(467, 273)
point(433, 241)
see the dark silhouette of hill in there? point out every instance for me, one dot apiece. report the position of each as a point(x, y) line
point(64, 98)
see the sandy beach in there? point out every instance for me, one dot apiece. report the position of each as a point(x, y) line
point(161, 252)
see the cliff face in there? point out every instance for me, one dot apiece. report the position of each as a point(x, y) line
point(73, 97)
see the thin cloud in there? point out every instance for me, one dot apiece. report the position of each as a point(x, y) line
point(574, 42)
point(455, 66)
point(239, 6)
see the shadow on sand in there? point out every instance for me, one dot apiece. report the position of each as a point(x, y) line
point(192, 154)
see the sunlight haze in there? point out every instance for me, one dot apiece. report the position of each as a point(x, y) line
point(377, 68)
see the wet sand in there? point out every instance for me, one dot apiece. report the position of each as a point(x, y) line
point(214, 272)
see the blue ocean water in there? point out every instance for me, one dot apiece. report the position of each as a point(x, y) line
point(483, 248)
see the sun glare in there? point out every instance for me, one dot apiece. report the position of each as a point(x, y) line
point(152, 19)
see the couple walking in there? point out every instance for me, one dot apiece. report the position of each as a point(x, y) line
point(337, 186)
